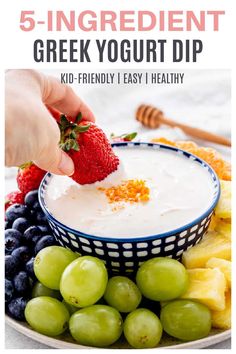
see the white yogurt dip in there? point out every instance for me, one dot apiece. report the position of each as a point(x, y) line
point(180, 191)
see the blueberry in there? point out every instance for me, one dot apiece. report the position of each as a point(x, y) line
point(11, 266)
point(31, 197)
point(21, 224)
point(9, 290)
point(36, 206)
point(22, 254)
point(40, 217)
point(45, 241)
point(15, 233)
point(35, 209)
point(22, 283)
point(29, 268)
point(32, 234)
point(7, 224)
point(16, 308)
point(45, 229)
point(32, 281)
point(16, 211)
point(33, 213)
point(11, 243)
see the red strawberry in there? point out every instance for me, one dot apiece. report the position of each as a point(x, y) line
point(123, 137)
point(29, 177)
point(13, 198)
point(55, 113)
point(89, 148)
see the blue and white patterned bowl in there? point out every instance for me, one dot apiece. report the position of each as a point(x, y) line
point(122, 255)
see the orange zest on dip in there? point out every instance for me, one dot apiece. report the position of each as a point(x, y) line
point(130, 191)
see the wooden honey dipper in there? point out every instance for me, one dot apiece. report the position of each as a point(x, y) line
point(152, 117)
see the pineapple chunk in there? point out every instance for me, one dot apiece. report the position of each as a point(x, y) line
point(212, 245)
point(224, 228)
point(207, 286)
point(227, 220)
point(224, 266)
point(223, 208)
point(222, 319)
point(213, 223)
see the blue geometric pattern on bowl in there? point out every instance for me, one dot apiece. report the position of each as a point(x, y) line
point(125, 255)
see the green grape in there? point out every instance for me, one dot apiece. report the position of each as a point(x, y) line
point(84, 281)
point(142, 329)
point(72, 309)
point(186, 320)
point(47, 315)
point(50, 263)
point(41, 290)
point(97, 325)
point(162, 279)
point(122, 294)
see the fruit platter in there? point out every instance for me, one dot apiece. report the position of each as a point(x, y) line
point(161, 281)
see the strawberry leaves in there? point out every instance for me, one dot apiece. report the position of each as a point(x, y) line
point(129, 137)
point(78, 118)
point(124, 137)
point(82, 128)
point(25, 165)
point(70, 131)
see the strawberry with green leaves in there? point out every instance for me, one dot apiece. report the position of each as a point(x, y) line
point(29, 177)
point(89, 149)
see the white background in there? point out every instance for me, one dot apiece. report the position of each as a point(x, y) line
point(19, 44)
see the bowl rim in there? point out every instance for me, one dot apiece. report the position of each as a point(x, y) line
point(139, 238)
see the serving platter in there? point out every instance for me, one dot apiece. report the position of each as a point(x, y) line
point(65, 341)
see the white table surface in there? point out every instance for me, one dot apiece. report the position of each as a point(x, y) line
point(203, 101)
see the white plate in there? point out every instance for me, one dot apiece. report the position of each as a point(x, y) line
point(65, 341)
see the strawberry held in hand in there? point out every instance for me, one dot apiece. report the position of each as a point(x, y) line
point(89, 149)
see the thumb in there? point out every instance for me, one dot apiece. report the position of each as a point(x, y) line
point(56, 161)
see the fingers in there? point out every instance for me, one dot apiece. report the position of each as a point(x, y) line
point(63, 98)
point(49, 156)
point(56, 161)
point(32, 133)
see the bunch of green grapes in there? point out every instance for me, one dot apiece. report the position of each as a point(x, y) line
point(74, 293)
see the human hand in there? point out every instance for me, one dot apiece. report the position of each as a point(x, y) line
point(31, 132)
